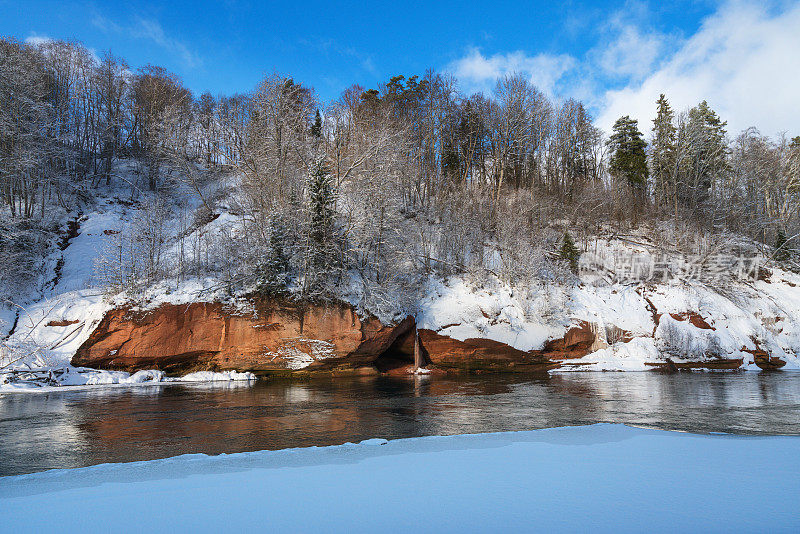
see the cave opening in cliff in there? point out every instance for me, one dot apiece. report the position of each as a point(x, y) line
point(400, 354)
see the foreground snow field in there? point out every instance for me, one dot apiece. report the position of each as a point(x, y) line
point(598, 478)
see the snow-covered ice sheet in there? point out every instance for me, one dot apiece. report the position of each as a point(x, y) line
point(599, 478)
point(75, 378)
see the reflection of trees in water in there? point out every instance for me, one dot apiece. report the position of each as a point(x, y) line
point(696, 402)
point(123, 424)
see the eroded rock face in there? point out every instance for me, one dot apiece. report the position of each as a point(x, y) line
point(713, 364)
point(62, 322)
point(284, 337)
point(695, 319)
point(471, 355)
point(769, 363)
point(763, 360)
point(478, 354)
point(281, 336)
point(579, 341)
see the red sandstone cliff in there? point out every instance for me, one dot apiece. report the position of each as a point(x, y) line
point(282, 337)
point(279, 336)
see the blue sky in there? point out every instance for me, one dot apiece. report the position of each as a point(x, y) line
point(588, 50)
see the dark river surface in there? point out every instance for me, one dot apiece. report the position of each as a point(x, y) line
point(67, 429)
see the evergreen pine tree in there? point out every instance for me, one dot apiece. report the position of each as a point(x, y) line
point(450, 162)
point(316, 128)
point(781, 249)
point(628, 158)
point(707, 152)
point(273, 274)
point(662, 151)
point(570, 252)
point(322, 246)
point(793, 166)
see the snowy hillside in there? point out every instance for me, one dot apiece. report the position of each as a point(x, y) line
point(636, 323)
point(41, 333)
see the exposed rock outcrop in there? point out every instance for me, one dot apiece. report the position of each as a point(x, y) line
point(472, 355)
point(695, 319)
point(279, 336)
point(769, 363)
point(61, 323)
point(283, 337)
point(763, 360)
point(711, 363)
point(579, 341)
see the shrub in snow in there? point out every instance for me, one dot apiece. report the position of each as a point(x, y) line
point(683, 340)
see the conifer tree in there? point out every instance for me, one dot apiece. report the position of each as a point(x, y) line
point(628, 158)
point(781, 249)
point(662, 151)
point(706, 148)
point(316, 128)
point(273, 274)
point(322, 252)
point(793, 165)
point(570, 252)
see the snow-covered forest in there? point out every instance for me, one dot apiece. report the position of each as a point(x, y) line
point(367, 198)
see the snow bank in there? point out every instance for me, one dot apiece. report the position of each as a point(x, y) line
point(64, 379)
point(211, 376)
point(50, 330)
point(619, 357)
point(600, 478)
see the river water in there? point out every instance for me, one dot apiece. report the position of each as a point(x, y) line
point(67, 429)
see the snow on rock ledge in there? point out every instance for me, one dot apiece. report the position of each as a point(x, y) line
point(634, 328)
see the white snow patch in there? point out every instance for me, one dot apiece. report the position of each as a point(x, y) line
point(494, 311)
point(212, 376)
point(301, 352)
point(618, 357)
point(72, 378)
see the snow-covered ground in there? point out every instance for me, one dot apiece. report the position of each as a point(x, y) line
point(599, 478)
point(76, 377)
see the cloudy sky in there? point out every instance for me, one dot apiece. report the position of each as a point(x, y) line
point(743, 57)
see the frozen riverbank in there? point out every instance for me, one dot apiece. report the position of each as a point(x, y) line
point(600, 477)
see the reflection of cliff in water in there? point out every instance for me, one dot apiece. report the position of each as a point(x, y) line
point(123, 424)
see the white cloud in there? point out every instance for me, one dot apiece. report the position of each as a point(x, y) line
point(331, 47)
point(632, 53)
point(37, 40)
point(151, 30)
point(479, 73)
point(743, 60)
point(106, 25)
